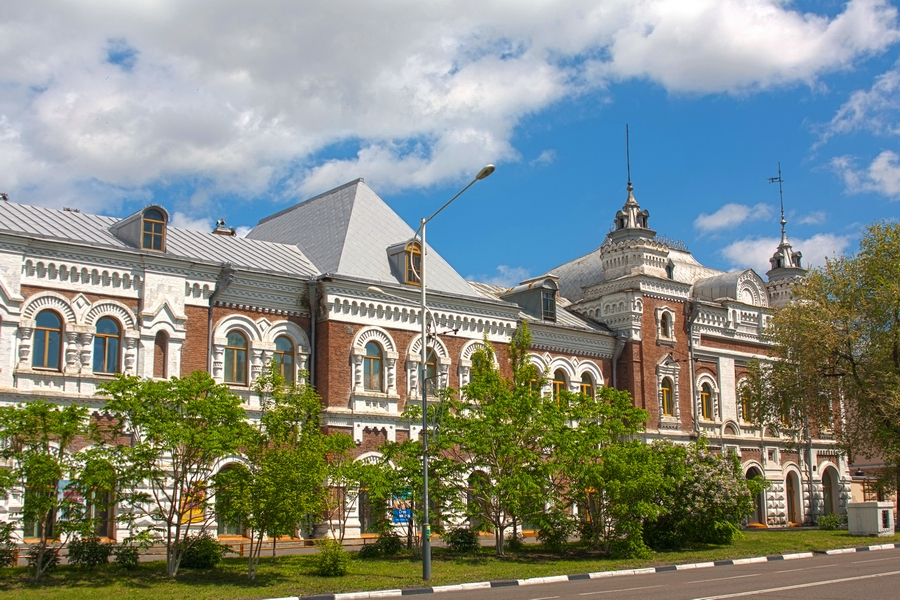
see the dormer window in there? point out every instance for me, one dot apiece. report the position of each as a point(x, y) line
point(413, 263)
point(548, 305)
point(154, 230)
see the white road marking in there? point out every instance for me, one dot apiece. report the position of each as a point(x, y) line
point(724, 578)
point(857, 562)
point(546, 598)
point(797, 587)
point(805, 569)
point(648, 587)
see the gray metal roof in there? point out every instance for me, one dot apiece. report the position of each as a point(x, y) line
point(564, 316)
point(576, 275)
point(49, 223)
point(347, 231)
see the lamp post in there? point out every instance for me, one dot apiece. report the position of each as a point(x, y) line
point(426, 525)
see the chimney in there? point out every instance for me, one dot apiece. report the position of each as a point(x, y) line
point(222, 229)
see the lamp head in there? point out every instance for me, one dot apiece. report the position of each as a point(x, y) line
point(487, 170)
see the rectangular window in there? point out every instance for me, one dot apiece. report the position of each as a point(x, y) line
point(548, 305)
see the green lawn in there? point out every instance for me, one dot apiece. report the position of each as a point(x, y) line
point(293, 575)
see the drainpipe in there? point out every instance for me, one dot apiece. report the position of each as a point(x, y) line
point(222, 283)
point(313, 305)
point(695, 312)
point(617, 352)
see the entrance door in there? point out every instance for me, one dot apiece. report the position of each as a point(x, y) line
point(791, 487)
point(759, 503)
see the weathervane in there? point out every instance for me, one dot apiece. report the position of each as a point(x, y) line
point(779, 180)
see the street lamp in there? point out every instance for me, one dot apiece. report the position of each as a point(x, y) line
point(423, 372)
point(426, 525)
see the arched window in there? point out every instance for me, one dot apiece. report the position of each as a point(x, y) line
point(284, 356)
point(706, 402)
point(230, 484)
point(372, 368)
point(665, 326)
point(106, 346)
point(587, 386)
point(559, 383)
point(161, 355)
point(413, 263)
point(154, 229)
point(668, 399)
point(746, 407)
point(236, 358)
point(47, 341)
point(431, 382)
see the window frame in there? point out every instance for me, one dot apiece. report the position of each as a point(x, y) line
point(47, 332)
point(587, 385)
point(548, 305)
point(668, 396)
point(104, 339)
point(559, 385)
point(234, 351)
point(707, 410)
point(412, 261)
point(279, 356)
point(369, 362)
point(155, 233)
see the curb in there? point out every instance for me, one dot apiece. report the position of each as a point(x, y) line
point(459, 587)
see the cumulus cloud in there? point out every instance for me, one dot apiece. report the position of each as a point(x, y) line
point(179, 219)
point(876, 109)
point(288, 99)
point(506, 276)
point(730, 216)
point(881, 176)
point(754, 253)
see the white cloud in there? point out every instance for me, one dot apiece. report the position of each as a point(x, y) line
point(754, 253)
point(730, 216)
point(876, 109)
point(243, 230)
point(814, 218)
point(506, 276)
point(881, 176)
point(179, 219)
point(248, 99)
point(545, 158)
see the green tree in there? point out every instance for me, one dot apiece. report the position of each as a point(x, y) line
point(494, 429)
point(164, 438)
point(836, 353)
point(39, 438)
point(603, 469)
point(285, 475)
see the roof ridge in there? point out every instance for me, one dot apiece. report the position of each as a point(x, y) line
point(313, 199)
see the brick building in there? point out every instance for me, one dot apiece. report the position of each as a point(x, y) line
point(329, 286)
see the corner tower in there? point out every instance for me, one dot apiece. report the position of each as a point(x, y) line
point(786, 269)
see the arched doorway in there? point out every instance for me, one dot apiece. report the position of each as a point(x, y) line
point(758, 516)
point(792, 498)
point(830, 493)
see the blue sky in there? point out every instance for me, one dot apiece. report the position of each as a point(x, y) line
point(236, 110)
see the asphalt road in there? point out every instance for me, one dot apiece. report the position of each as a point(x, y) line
point(862, 575)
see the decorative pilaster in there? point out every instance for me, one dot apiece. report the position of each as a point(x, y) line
point(25, 330)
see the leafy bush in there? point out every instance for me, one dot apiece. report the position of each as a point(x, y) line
point(7, 546)
point(462, 540)
point(832, 522)
point(89, 552)
point(388, 544)
point(51, 557)
point(555, 528)
point(202, 552)
point(128, 552)
point(127, 557)
point(331, 560)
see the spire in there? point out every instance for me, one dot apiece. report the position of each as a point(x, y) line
point(631, 221)
point(785, 262)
